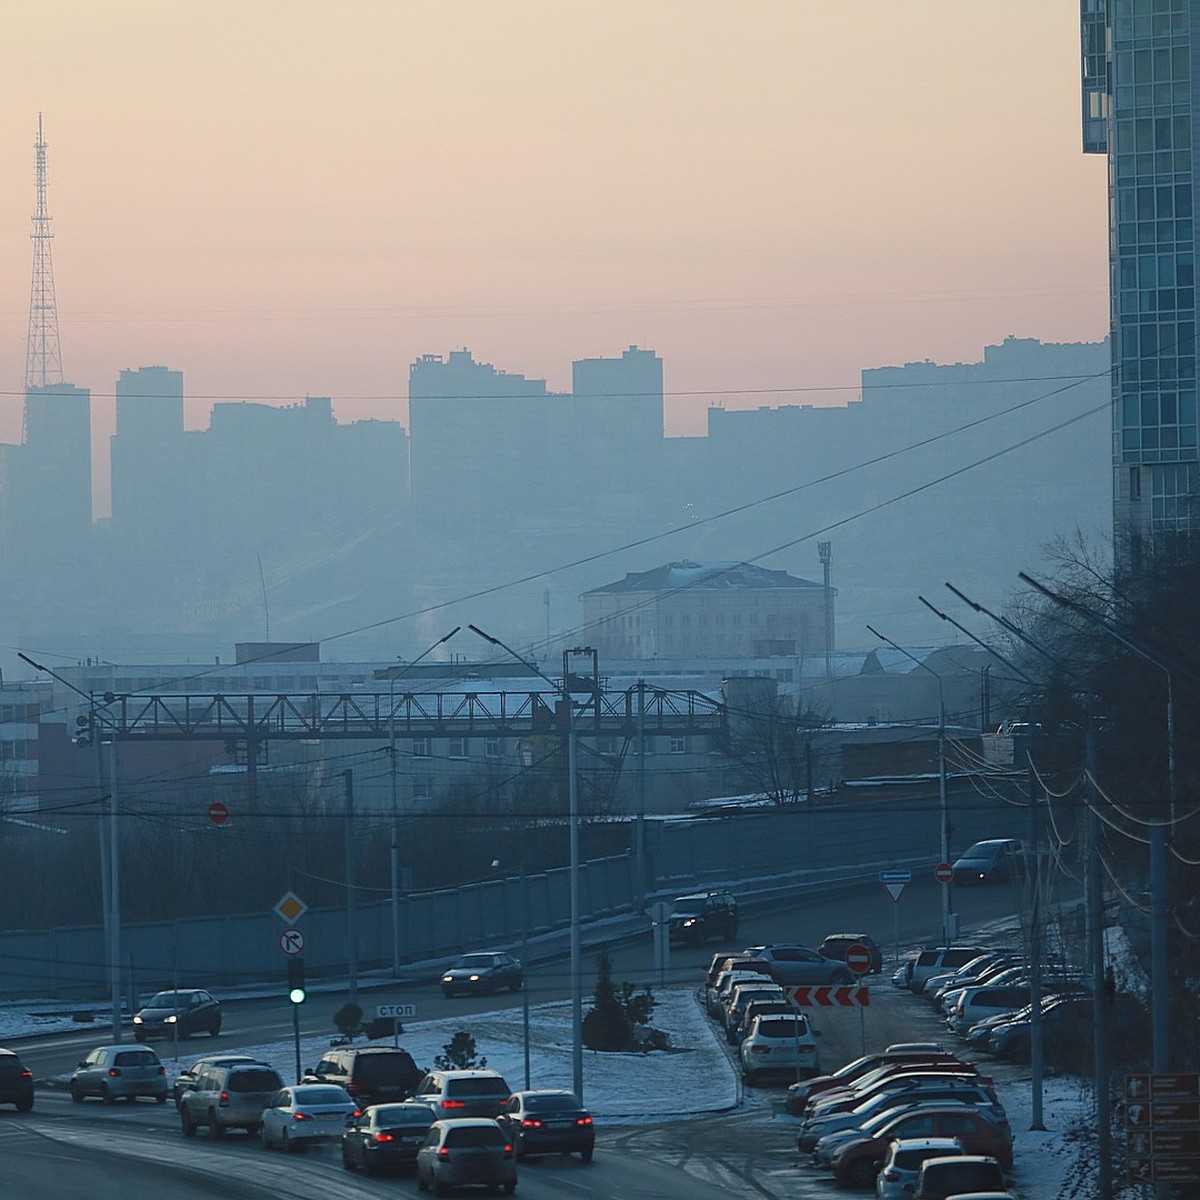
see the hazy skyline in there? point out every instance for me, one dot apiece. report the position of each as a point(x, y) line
point(281, 200)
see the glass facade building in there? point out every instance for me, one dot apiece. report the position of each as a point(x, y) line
point(1141, 66)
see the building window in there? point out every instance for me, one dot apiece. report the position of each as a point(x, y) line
point(492, 748)
point(422, 787)
point(457, 747)
point(421, 748)
point(678, 745)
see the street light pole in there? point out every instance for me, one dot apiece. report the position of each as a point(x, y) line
point(567, 709)
point(1159, 883)
point(949, 930)
point(394, 849)
point(110, 879)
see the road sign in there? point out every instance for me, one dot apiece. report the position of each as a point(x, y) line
point(858, 958)
point(843, 995)
point(1162, 1128)
point(943, 873)
point(290, 908)
point(660, 912)
point(895, 877)
point(395, 1010)
point(291, 941)
point(218, 814)
point(895, 890)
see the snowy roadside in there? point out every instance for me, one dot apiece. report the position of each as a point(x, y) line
point(694, 1078)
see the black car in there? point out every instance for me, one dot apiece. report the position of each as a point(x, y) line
point(178, 1014)
point(702, 915)
point(484, 972)
point(385, 1135)
point(372, 1074)
point(994, 861)
point(836, 945)
point(16, 1082)
point(548, 1121)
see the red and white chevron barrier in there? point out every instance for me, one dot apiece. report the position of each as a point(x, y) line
point(847, 995)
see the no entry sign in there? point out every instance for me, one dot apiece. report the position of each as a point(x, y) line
point(858, 958)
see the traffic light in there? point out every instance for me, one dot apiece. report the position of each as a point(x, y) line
point(296, 991)
point(83, 731)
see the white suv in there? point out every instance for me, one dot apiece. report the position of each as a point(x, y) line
point(779, 1045)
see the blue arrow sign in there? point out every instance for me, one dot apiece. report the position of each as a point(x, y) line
point(895, 877)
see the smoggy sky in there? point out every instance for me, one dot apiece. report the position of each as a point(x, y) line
point(281, 198)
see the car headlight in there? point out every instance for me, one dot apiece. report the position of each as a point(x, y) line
point(447, 978)
point(689, 922)
point(475, 977)
point(138, 1020)
point(170, 1020)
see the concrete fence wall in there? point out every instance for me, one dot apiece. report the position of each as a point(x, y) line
point(682, 854)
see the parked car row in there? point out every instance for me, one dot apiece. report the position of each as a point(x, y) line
point(895, 1119)
point(986, 997)
point(774, 1038)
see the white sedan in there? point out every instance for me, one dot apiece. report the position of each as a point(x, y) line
point(308, 1112)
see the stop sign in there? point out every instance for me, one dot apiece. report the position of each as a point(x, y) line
point(218, 814)
point(858, 958)
point(943, 873)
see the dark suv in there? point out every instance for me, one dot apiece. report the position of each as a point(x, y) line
point(702, 915)
point(372, 1075)
point(16, 1082)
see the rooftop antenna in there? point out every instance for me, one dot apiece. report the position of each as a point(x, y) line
point(43, 354)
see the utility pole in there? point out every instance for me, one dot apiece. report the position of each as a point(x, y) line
point(1100, 998)
point(639, 828)
point(1035, 939)
point(351, 913)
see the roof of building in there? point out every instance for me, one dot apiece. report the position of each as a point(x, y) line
point(714, 576)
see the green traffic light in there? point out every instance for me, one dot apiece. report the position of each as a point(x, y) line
point(297, 995)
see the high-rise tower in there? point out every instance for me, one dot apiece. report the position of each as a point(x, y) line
point(43, 353)
point(1141, 107)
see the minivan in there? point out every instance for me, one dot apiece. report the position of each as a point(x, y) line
point(939, 959)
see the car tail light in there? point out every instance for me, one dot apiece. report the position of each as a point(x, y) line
point(583, 1120)
point(530, 1123)
point(454, 1104)
point(162, 1070)
point(385, 1137)
point(444, 1154)
point(508, 1149)
point(26, 1074)
point(760, 1049)
point(301, 1117)
point(224, 1100)
point(113, 1072)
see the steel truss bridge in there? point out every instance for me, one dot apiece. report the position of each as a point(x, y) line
point(380, 716)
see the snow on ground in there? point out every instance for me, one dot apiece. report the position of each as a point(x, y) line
point(693, 1078)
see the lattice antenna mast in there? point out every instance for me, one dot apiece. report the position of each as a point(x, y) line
point(43, 354)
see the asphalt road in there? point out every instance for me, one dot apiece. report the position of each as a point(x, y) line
point(133, 1150)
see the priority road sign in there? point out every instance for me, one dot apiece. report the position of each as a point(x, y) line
point(845, 995)
point(290, 908)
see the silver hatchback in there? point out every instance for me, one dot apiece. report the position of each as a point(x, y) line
point(120, 1073)
point(469, 1150)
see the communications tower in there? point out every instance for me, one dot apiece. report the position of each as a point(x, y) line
point(43, 354)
